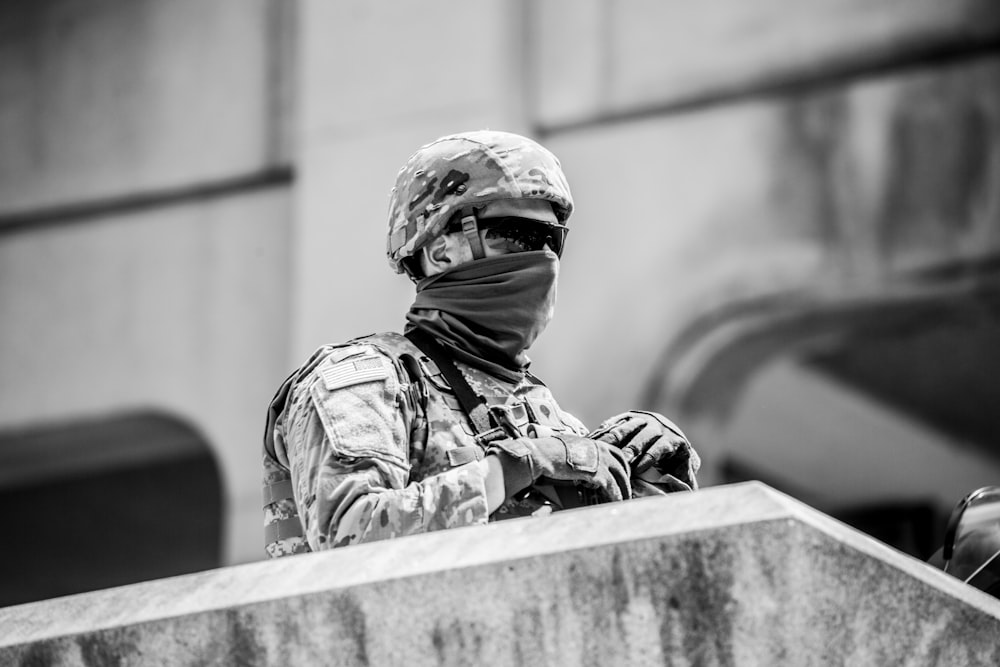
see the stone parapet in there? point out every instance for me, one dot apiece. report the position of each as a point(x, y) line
point(736, 575)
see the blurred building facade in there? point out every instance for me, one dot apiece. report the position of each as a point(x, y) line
point(787, 237)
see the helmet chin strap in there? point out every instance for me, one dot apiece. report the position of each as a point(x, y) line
point(471, 231)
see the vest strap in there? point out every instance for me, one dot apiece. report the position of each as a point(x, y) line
point(473, 405)
point(276, 491)
point(282, 530)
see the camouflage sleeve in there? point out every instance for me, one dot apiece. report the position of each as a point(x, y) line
point(574, 424)
point(348, 440)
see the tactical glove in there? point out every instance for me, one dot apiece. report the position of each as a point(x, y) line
point(650, 440)
point(563, 459)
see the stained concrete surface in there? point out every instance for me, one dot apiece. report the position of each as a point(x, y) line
point(737, 575)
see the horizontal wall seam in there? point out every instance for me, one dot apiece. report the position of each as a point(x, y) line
point(131, 203)
point(788, 85)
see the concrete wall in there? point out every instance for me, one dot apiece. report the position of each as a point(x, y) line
point(145, 221)
point(110, 99)
point(606, 59)
point(729, 576)
point(183, 310)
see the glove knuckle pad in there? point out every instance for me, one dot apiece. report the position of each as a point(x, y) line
point(516, 448)
point(662, 420)
point(582, 455)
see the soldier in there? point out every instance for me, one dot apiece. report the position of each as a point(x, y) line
point(390, 435)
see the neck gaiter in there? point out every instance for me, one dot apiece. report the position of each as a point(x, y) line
point(491, 310)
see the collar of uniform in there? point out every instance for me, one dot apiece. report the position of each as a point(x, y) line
point(489, 367)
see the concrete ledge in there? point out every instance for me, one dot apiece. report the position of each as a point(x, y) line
point(728, 575)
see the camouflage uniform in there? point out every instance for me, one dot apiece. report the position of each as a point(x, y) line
point(375, 445)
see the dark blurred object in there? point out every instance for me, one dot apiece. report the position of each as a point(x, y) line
point(106, 502)
point(909, 525)
point(971, 550)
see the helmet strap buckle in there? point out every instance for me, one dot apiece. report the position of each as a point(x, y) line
point(471, 231)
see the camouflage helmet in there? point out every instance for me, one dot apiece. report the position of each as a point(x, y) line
point(463, 171)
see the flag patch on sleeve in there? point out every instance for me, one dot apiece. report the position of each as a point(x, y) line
point(356, 370)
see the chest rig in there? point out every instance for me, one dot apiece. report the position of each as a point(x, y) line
point(493, 418)
point(491, 414)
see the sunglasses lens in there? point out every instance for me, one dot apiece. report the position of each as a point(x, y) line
point(558, 239)
point(528, 235)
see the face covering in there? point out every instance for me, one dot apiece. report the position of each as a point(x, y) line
point(491, 310)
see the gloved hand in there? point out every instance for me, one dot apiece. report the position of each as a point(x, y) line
point(563, 459)
point(650, 440)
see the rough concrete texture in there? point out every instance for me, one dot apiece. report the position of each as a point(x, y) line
point(738, 575)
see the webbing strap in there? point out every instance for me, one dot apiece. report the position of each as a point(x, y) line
point(471, 231)
point(471, 403)
point(276, 491)
point(282, 529)
point(475, 407)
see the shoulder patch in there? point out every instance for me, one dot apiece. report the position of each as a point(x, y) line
point(355, 370)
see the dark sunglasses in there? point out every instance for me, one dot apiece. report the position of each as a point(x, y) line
point(524, 233)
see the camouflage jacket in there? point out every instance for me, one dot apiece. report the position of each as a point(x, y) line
point(366, 441)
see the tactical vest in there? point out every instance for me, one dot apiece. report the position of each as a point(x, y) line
point(441, 435)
